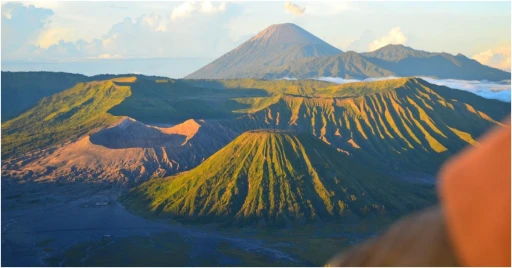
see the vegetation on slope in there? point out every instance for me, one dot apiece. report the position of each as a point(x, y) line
point(78, 110)
point(63, 116)
point(176, 101)
point(23, 90)
point(272, 178)
point(270, 87)
point(400, 124)
point(403, 124)
point(84, 107)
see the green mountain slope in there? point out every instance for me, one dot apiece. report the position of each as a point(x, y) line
point(179, 100)
point(62, 117)
point(78, 110)
point(269, 87)
point(23, 90)
point(403, 124)
point(274, 178)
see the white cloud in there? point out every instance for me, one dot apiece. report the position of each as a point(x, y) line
point(294, 9)
point(21, 26)
point(486, 89)
point(395, 36)
point(155, 22)
point(184, 10)
point(52, 36)
point(362, 43)
point(498, 57)
point(7, 14)
point(208, 8)
point(147, 36)
point(489, 90)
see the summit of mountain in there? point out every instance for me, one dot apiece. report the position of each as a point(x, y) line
point(273, 47)
point(394, 52)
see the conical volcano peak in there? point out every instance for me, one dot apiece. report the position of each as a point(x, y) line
point(275, 46)
point(286, 33)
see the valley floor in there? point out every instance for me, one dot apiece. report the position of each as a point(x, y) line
point(87, 226)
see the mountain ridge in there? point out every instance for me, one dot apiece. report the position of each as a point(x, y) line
point(251, 60)
point(22, 90)
point(404, 124)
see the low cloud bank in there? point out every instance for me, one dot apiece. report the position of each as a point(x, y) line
point(487, 89)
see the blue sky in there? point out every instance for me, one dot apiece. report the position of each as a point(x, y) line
point(75, 31)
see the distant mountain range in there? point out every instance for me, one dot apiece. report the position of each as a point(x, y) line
point(286, 50)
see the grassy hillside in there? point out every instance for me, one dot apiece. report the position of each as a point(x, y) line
point(164, 101)
point(273, 178)
point(23, 90)
point(86, 106)
point(64, 116)
point(402, 124)
point(269, 87)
